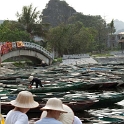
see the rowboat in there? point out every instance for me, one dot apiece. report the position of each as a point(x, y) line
point(57, 87)
point(76, 77)
point(77, 101)
point(106, 115)
point(76, 106)
point(108, 98)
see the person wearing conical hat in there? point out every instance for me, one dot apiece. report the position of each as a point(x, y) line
point(54, 109)
point(66, 118)
point(22, 104)
point(32, 79)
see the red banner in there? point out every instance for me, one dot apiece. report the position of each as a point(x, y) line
point(6, 47)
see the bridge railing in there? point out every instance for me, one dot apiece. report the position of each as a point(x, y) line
point(38, 47)
point(30, 45)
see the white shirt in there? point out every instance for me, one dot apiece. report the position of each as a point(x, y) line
point(47, 120)
point(16, 117)
point(77, 120)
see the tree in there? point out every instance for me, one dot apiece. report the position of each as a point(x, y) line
point(71, 39)
point(31, 20)
point(12, 31)
point(111, 30)
point(28, 17)
point(112, 26)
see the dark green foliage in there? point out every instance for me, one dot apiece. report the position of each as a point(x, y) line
point(71, 39)
point(31, 20)
point(74, 32)
point(70, 32)
point(13, 31)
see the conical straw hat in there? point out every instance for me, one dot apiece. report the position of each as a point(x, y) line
point(65, 118)
point(25, 100)
point(54, 104)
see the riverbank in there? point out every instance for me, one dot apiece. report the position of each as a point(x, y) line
point(94, 60)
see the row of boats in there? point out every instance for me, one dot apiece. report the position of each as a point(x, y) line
point(82, 87)
point(77, 100)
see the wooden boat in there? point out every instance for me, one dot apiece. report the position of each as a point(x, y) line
point(57, 87)
point(110, 84)
point(108, 99)
point(81, 105)
point(56, 74)
point(77, 102)
point(110, 116)
point(76, 106)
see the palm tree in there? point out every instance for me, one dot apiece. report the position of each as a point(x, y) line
point(31, 21)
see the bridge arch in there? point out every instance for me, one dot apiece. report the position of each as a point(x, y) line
point(31, 51)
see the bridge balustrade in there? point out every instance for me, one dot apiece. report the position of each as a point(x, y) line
point(38, 47)
point(21, 48)
point(13, 44)
point(31, 46)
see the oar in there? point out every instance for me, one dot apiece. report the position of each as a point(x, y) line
point(1, 117)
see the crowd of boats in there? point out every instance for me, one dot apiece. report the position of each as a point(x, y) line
point(82, 87)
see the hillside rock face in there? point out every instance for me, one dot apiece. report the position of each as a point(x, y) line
point(57, 12)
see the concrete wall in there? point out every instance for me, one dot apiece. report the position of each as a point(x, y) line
point(113, 59)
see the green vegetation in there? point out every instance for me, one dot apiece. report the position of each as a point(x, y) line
point(101, 55)
point(28, 25)
point(70, 33)
point(11, 31)
point(19, 64)
point(22, 64)
point(57, 60)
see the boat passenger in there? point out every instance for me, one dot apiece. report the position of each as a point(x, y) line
point(43, 64)
point(54, 109)
point(66, 118)
point(32, 79)
point(22, 105)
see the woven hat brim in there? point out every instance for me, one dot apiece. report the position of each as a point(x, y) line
point(50, 108)
point(23, 105)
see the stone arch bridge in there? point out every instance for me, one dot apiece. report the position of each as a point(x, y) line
point(29, 50)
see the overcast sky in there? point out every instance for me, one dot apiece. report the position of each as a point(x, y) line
point(108, 9)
